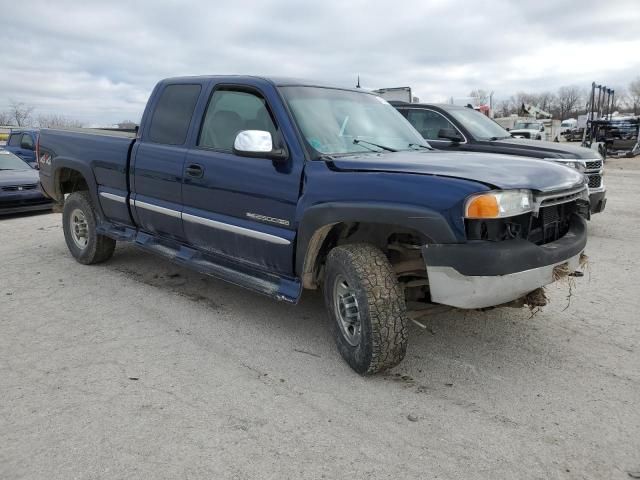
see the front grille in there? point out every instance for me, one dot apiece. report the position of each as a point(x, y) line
point(24, 203)
point(551, 224)
point(18, 188)
point(546, 200)
point(550, 215)
point(595, 165)
point(522, 134)
point(595, 181)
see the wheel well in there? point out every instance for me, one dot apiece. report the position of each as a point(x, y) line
point(68, 180)
point(400, 245)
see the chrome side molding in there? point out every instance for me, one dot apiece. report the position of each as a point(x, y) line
point(267, 237)
point(207, 222)
point(114, 197)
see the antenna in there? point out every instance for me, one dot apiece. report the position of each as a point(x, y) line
point(358, 85)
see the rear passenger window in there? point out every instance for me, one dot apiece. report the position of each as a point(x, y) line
point(171, 118)
point(229, 112)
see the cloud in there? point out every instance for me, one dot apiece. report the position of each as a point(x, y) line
point(97, 62)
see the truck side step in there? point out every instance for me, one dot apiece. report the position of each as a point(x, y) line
point(274, 286)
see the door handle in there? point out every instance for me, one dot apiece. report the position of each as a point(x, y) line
point(195, 170)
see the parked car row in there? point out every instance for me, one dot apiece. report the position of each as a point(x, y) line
point(19, 186)
point(281, 185)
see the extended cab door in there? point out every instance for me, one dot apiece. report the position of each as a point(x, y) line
point(158, 160)
point(239, 207)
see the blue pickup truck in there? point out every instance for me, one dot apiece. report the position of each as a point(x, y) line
point(22, 143)
point(280, 185)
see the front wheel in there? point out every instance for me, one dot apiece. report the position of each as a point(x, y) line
point(79, 225)
point(366, 306)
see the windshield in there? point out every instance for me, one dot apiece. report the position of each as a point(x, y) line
point(8, 161)
point(526, 125)
point(338, 122)
point(479, 125)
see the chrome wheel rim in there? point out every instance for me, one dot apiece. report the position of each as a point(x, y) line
point(347, 311)
point(79, 229)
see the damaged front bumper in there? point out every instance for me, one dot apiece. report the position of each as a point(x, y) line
point(485, 274)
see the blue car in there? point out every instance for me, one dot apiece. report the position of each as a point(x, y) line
point(19, 186)
point(22, 142)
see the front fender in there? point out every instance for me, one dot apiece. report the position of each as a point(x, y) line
point(431, 224)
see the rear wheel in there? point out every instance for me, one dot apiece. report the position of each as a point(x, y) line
point(367, 308)
point(79, 225)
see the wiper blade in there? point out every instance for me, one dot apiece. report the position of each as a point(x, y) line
point(358, 141)
point(493, 139)
point(411, 145)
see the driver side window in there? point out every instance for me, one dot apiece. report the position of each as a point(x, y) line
point(428, 123)
point(228, 113)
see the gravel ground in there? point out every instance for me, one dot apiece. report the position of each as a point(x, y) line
point(138, 368)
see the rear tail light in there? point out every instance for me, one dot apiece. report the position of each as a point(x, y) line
point(38, 152)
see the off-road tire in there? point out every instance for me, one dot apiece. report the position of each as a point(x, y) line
point(380, 299)
point(98, 248)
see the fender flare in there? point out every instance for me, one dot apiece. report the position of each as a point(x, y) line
point(85, 171)
point(318, 220)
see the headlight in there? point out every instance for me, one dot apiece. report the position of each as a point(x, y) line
point(579, 166)
point(499, 204)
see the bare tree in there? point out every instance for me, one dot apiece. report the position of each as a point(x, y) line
point(480, 96)
point(57, 121)
point(620, 100)
point(5, 118)
point(504, 108)
point(126, 125)
point(525, 98)
point(569, 97)
point(546, 101)
point(634, 95)
point(20, 113)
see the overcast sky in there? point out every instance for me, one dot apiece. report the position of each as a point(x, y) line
point(98, 61)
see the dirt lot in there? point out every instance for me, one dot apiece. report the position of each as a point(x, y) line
point(140, 369)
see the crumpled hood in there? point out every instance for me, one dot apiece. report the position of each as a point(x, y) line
point(18, 177)
point(555, 149)
point(496, 171)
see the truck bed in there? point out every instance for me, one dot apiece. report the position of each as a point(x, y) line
point(110, 132)
point(103, 156)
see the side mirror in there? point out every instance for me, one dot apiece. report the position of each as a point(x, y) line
point(26, 146)
point(449, 134)
point(542, 128)
point(508, 129)
point(257, 144)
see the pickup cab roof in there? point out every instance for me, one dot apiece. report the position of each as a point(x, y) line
point(274, 80)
